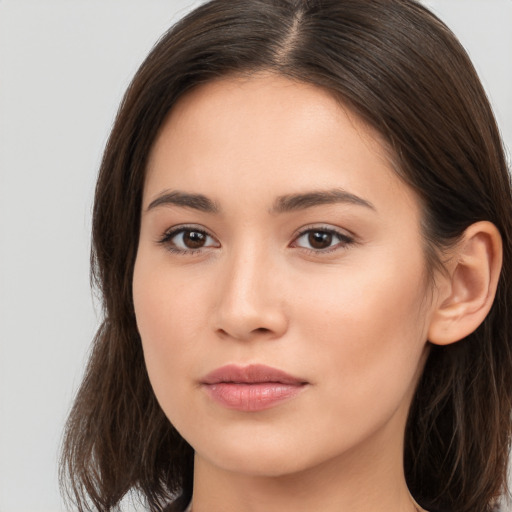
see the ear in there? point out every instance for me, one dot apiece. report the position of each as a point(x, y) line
point(466, 292)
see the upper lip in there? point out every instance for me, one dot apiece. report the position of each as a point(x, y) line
point(251, 374)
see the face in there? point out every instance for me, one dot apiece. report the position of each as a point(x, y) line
point(280, 282)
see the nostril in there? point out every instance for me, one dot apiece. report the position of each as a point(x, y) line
point(257, 331)
point(267, 322)
point(261, 330)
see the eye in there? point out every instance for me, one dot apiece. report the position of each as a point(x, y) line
point(187, 240)
point(322, 239)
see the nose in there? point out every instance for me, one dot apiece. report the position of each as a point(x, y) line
point(251, 301)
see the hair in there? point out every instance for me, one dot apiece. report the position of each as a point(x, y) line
point(399, 68)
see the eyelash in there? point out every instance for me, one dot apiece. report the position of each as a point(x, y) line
point(168, 236)
point(343, 239)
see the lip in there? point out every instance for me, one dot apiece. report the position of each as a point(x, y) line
point(251, 388)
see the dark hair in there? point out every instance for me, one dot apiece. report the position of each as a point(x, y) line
point(401, 70)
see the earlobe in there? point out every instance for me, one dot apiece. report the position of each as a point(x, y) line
point(469, 286)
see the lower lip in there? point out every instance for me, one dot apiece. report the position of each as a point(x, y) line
point(252, 397)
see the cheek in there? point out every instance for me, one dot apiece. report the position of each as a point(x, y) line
point(369, 332)
point(165, 305)
point(166, 324)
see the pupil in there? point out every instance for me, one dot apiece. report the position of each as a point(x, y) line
point(320, 239)
point(194, 239)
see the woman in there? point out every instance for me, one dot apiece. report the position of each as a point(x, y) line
point(302, 233)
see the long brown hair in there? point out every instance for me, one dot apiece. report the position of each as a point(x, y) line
point(402, 70)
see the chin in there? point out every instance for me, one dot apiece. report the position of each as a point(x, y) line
point(266, 457)
point(257, 464)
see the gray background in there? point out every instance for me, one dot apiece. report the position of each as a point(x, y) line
point(63, 68)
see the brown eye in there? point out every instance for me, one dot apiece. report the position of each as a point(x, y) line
point(320, 239)
point(194, 239)
point(184, 240)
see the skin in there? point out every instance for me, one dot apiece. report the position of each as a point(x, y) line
point(351, 319)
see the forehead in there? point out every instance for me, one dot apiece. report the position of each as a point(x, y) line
point(253, 105)
point(266, 133)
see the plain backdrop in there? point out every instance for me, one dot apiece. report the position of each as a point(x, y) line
point(64, 66)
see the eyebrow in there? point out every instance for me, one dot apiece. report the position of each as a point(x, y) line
point(293, 202)
point(186, 200)
point(283, 204)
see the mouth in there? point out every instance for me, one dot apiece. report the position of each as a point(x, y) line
point(251, 388)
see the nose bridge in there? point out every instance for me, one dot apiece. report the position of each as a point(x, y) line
point(250, 301)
